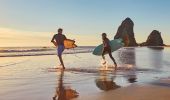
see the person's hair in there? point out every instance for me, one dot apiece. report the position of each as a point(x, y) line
point(60, 29)
point(104, 34)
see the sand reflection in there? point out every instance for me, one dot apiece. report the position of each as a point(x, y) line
point(106, 82)
point(64, 92)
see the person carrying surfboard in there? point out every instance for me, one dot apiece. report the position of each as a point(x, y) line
point(107, 48)
point(58, 40)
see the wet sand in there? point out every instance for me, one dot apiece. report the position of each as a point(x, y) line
point(132, 92)
point(29, 78)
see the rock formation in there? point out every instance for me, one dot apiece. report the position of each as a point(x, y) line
point(125, 31)
point(154, 39)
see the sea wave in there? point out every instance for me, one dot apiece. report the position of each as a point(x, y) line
point(39, 51)
point(5, 50)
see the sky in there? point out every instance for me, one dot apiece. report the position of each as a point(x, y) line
point(34, 22)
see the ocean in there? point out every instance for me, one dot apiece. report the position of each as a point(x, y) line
point(38, 51)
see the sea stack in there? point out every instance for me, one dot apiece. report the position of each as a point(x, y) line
point(125, 31)
point(154, 39)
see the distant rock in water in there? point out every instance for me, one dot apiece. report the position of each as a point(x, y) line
point(125, 31)
point(154, 39)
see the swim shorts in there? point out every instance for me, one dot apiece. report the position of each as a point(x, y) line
point(60, 50)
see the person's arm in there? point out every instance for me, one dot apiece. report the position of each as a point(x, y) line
point(108, 42)
point(103, 46)
point(54, 42)
point(65, 38)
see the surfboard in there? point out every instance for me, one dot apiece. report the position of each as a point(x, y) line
point(115, 45)
point(68, 44)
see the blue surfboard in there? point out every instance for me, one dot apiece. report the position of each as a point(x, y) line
point(115, 45)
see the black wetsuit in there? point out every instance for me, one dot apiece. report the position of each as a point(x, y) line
point(106, 46)
point(107, 49)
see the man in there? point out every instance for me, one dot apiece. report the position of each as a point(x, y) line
point(58, 40)
point(107, 48)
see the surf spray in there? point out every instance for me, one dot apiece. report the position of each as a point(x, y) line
point(104, 64)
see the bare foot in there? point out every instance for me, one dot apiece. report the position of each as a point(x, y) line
point(104, 62)
point(54, 98)
point(61, 68)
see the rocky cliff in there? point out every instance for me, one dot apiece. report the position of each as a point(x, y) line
point(154, 39)
point(125, 31)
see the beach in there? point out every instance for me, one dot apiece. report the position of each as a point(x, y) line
point(143, 74)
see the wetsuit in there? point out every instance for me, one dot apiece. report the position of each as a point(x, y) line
point(107, 49)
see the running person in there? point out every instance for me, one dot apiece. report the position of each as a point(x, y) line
point(107, 48)
point(59, 40)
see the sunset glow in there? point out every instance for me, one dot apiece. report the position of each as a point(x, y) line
point(33, 23)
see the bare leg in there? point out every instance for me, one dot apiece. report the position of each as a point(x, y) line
point(113, 60)
point(61, 61)
point(103, 57)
